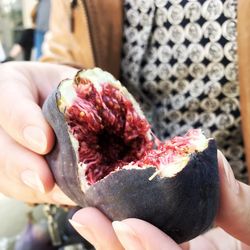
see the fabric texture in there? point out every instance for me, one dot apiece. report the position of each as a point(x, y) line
point(180, 57)
point(167, 44)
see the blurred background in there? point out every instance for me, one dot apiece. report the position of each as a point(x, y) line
point(41, 227)
point(23, 24)
point(15, 16)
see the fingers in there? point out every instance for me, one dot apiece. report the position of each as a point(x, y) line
point(23, 166)
point(201, 242)
point(24, 193)
point(20, 115)
point(25, 175)
point(218, 239)
point(23, 87)
point(128, 234)
point(214, 239)
point(92, 225)
point(140, 235)
point(234, 211)
point(56, 196)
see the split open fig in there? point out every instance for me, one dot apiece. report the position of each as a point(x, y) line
point(107, 157)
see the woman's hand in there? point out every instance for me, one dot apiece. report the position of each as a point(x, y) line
point(234, 210)
point(25, 136)
point(134, 234)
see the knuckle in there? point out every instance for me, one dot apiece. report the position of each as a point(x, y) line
point(15, 118)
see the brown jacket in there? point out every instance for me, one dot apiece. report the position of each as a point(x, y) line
point(90, 34)
point(86, 35)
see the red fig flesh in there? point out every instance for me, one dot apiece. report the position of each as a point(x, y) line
point(107, 157)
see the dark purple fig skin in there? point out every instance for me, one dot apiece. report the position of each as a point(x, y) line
point(183, 206)
point(35, 237)
point(62, 159)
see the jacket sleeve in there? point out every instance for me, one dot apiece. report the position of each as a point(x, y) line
point(60, 43)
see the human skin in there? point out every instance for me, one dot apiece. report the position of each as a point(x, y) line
point(25, 137)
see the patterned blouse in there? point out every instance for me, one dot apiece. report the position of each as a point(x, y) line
point(180, 60)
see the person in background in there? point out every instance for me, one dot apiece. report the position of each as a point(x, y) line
point(25, 43)
point(42, 25)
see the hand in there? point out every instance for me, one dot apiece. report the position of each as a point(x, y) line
point(25, 136)
point(233, 216)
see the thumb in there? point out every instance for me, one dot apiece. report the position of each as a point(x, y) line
point(138, 234)
point(234, 211)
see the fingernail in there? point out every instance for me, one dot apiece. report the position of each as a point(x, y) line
point(84, 231)
point(127, 236)
point(233, 183)
point(32, 180)
point(36, 138)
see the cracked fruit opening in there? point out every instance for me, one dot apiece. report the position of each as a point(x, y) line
point(110, 132)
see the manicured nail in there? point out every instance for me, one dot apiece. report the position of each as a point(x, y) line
point(127, 236)
point(32, 180)
point(84, 231)
point(36, 138)
point(233, 183)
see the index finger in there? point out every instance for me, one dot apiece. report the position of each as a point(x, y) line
point(20, 115)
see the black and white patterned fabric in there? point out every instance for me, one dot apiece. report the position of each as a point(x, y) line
point(180, 60)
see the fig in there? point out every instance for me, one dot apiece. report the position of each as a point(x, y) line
point(106, 156)
point(34, 236)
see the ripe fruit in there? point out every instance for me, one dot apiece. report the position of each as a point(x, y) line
point(34, 236)
point(107, 157)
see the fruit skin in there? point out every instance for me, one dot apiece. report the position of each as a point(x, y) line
point(62, 159)
point(183, 206)
point(35, 237)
